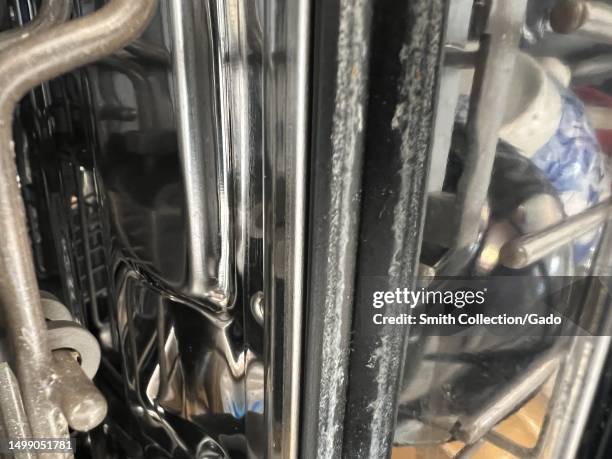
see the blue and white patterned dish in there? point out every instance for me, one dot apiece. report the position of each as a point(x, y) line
point(574, 164)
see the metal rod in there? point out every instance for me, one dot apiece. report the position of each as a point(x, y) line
point(475, 427)
point(51, 12)
point(492, 82)
point(528, 249)
point(584, 395)
point(80, 400)
point(592, 20)
point(286, 67)
point(38, 58)
point(507, 444)
point(469, 451)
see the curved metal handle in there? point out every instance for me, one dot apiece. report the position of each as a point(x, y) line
point(26, 64)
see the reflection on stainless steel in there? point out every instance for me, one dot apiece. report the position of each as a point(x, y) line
point(145, 98)
point(181, 361)
point(588, 19)
point(492, 81)
point(530, 248)
point(287, 46)
point(80, 400)
point(220, 130)
point(194, 366)
point(50, 13)
point(150, 52)
point(30, 61)
point(257, 308)
point(205, 146)
point(87, 208)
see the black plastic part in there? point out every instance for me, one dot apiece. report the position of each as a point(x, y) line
point(406, 53)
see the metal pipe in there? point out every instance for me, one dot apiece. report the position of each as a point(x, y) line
point(592, 20)
point(51, 12)
point(474, 427)
point(469, 451)
point(492, 82)
point(38, 58)
point(584, 391)
point(528, 249)
point(80, 400)
point(286, 92)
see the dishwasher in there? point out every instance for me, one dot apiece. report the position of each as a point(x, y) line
point(306, 229)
